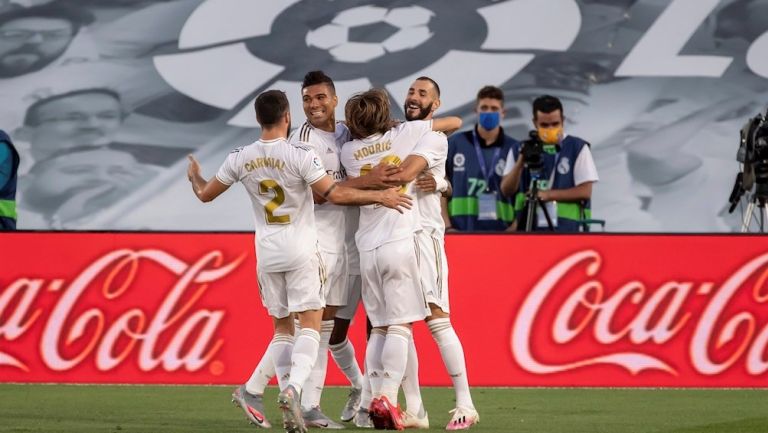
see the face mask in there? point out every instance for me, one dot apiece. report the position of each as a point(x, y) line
point(551, 135)
point(490, 120)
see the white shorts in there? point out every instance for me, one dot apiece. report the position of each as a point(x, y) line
point(392, 292)
point(293, 291)
point(347, 312)
point(336, 283)
point(434, 268)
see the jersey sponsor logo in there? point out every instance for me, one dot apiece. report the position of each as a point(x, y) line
point(564, 166)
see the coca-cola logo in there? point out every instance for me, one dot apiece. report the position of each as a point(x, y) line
point(177, 333)
point(720, 332)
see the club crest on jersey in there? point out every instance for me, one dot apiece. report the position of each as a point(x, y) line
point(316, 162)
point(500, 167)
point(564, 166)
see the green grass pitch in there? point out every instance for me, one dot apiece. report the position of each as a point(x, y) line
point(166, 409)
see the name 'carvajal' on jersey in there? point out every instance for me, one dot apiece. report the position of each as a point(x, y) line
point(372, 149)
point(275, 163)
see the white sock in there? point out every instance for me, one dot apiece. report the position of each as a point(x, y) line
point(313, 389)
point(394, 356)
point(453, 357)
point(366, 397)
point(262, 374)
point(411, 390)
point(275, 362)
point(303, 357)
point(344, 355)
point(374, 367)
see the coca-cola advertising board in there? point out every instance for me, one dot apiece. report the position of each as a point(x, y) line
point(531, 310)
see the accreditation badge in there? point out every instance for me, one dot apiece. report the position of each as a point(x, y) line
point(487, 206)
point(541, 219)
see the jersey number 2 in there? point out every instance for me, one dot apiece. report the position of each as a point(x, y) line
point(265, 186)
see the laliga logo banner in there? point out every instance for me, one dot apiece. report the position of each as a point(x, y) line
point(231, 50)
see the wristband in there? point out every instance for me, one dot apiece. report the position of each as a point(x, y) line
point(441, 184)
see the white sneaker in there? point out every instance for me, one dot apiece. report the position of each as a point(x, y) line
point(412, 421)
point(463, 418)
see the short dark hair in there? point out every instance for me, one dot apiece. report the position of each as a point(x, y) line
point(77, 16)
point(270, 106)
point(317, 77)
point(547, 104)
point(367, 113)
point(434, 83)
point(31, 116)
point(491, 92)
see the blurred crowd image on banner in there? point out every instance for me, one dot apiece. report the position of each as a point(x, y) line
point(659, 89)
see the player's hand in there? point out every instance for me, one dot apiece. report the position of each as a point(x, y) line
point(396, 200)
point(426, 182)
point(381, 174)
point(194, 167)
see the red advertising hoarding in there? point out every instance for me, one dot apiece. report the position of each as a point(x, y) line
point(531, 310)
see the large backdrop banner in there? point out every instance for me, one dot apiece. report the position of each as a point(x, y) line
point(106, 97)
point(593, 310)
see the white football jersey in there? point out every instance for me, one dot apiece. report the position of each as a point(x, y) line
point(379, 225)
point(277, 176)
point(328, 216)
point(430, 215)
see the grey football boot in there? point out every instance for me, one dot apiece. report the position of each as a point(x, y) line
point(352, 405)
point(288, 400)
point(316, 418)
point(252, 405)
point(362, 419)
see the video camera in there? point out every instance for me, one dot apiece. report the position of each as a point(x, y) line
point(532, 150)
point(753, 154)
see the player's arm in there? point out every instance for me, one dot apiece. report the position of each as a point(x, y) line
point(205, 190)
point(336, 194)
point(427, 182)
point(376, 178)
point(448, 125)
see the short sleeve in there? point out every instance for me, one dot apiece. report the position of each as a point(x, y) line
point(310, 167)
point(433, 147)
point(584, 169)
point(510, 163)
point(228, 173)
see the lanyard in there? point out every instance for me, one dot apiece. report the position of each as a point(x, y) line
point(481, 160)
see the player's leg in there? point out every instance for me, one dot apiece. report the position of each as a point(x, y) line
point(335, 295)
point(343, 351)
point(439, 324)
point(404, 303)
point(277, 358)
point(304, 299)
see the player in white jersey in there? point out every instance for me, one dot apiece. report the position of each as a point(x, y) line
point(391, 288)
point(421, 102)
point(325, 136)
point(280, 179)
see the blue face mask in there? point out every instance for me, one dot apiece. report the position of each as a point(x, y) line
point(490, 120)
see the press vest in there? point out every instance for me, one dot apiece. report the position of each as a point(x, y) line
point(468, 183)
point(8, 191)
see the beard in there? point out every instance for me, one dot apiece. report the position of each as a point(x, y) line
point(25, 60)
point(423, 112)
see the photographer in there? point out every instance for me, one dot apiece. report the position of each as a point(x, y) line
point(561, 165)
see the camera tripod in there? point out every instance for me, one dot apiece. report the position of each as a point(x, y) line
point(532, 201)
point(759, 201)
